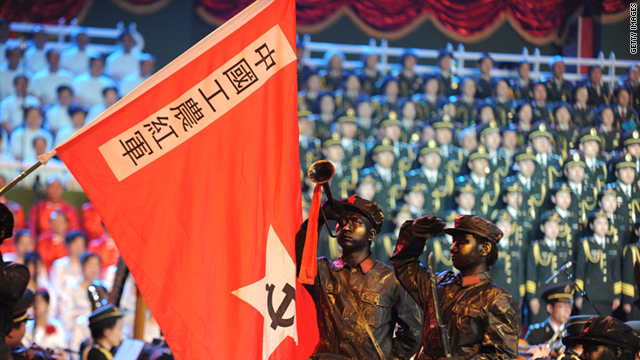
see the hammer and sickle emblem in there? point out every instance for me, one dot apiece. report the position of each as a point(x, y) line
point(276, 316)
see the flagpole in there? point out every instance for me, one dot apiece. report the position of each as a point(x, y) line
point(42, 160)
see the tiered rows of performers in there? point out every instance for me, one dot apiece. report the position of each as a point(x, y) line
point(46, 95)
point(554, 163)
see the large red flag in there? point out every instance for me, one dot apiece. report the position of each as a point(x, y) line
point(196, 175)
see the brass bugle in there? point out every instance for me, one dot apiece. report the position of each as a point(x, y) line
point(320, 172)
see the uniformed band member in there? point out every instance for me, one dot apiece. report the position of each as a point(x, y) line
point(508, 271)
point(631, 254)
point(438, 183)
point(606, 338)
point(357, 294)
point(545, 257)
point(559, 300)
point(482, 318)
point(628, 194)
point(600, 258)
point(105, 324)
point(572, 350)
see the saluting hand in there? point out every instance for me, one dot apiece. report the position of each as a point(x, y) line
point(427, 227)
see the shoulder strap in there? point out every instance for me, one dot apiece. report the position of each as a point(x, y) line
point(361, 318)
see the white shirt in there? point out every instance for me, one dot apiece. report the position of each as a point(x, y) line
point(12, 109)
point(74, 301)
point(6, 81)
point(21, 141)
point(478, 181)
point(562, 213)
point(600, 241)
point(550, 243)
point(385, 174)
point(577, 189)
point(57, 340)
point(526, 182)
point(35, 59)
point(95, 111)
point(88, 89)
point(432, 175)
point(462, 211)
point(590, 163)
point(44, 84)
point(120, 64)
point(513, 212)
point(626, 189)
point(76, 60)
point(63, 271)
point(57, 117)
point(63, 134)
point(130, 82)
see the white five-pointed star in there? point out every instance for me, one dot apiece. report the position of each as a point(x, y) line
point(280, 276)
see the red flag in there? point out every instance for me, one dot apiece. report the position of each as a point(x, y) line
point(196, 175)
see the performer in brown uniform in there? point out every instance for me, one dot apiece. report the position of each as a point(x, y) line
point(481, 317)
point(356, 295)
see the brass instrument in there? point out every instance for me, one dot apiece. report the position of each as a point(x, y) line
point(320, 172)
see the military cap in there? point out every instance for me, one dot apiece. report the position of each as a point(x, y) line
point(540, 129)
point(502, 215)
point(512, 185)
point(510, 127)
point(555, 59)
point(450, 215)
point(348, 116)
point(369, 209)
point(443, 121)
point(464, 188)
point(6, 223)
point(390, 119)
point(430, 147)
point(607, 331)
point(479, 153)
point(444, 52)
point(20, 311)
point(414, 186)
point(383, 145)
point(624, 161)
point(560, 186)
point(576, 159)
point(550, 215)
point(607, 190)
point(475, 225)
point(400, 209)
point(407, 53)
point(335, 139)
point(573, 327)
point(367, 180)
point(597, 213)
point(562, 292)
point(526, 154)
point(631, 137)
point(588, 134)
point(489, 128)
point(303, 110)
point(99, 317)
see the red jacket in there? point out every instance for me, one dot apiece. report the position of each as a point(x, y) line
point(40, 213)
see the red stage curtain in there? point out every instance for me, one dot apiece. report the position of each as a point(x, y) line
point(41, 11)
point(536, 18)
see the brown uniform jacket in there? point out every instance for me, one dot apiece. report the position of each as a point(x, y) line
point(380, 299)
point(481, 317)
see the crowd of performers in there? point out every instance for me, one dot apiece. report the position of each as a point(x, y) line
point(554, 164)
point(47, 94)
